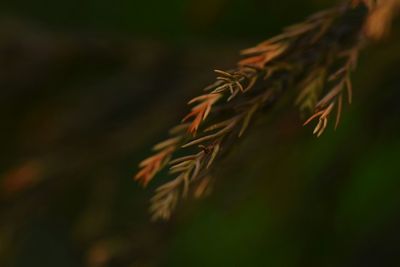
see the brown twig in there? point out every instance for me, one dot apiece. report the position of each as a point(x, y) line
point(316, 56)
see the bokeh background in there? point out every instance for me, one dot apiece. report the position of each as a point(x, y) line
point(86, 88)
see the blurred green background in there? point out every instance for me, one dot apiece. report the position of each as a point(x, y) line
point(86, 88)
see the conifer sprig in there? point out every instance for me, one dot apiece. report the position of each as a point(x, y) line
point(314, 58)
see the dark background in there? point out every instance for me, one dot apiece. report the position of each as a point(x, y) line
point(86, 88)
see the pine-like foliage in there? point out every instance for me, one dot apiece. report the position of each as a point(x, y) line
point(314, 59)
